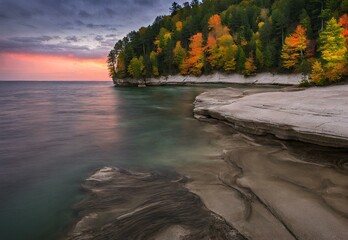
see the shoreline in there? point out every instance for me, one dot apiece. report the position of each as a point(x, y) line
point(223, 198)
point(244, 187)
point(216, 78)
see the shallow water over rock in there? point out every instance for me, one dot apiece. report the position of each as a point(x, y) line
point(255, 188)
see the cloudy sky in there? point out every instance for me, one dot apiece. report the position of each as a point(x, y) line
point(67, 39)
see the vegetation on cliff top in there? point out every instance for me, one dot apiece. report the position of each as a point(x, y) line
point(244, 36)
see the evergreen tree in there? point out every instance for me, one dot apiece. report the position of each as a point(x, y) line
point(111, 62)
point(241, 59)
point(154, 64)
point(121, 66)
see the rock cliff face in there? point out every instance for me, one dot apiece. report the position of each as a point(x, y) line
point(316, 115)
point(262, 78)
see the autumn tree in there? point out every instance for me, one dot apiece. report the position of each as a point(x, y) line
point(215, 32)
point(317, 75)
point(333, 50)
point(178, 26)
point(293, 51)
point(344, 24)
point(230, 60)
point(220, 48)
point(162, 40)
point(249, 66)
point(179, 54)
point(136, 67)
point(194, 62)
point(230, 31)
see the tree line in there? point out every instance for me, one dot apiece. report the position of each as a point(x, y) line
point(244, 36)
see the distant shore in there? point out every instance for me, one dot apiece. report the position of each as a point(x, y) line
point(259, 79)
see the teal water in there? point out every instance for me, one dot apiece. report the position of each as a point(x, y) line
point(55, 134)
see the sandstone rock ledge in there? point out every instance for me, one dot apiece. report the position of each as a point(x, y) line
point(315, 115)
point(259, 79)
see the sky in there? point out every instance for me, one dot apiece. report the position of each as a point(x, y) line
point(67, 39)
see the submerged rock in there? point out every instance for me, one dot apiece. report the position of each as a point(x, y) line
point(316, 115)
point(132, 205)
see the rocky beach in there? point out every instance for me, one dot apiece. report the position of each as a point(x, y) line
point(255, 184)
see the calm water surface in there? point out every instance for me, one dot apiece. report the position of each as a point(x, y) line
point(54, 134)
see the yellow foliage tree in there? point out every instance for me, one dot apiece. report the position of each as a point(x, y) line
point(317, 75)
point(136, 67)
point(249, 67)
point(230, 61)
point(179, 54)
point(220, 47)
point(333, 50)
point(178, 25)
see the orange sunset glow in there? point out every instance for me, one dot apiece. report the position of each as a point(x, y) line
point(14, 66)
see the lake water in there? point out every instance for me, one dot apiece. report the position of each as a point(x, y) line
point(54, 134)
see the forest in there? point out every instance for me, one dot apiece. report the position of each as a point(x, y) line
point(242, 36)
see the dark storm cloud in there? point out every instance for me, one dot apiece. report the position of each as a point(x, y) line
point(66, 26)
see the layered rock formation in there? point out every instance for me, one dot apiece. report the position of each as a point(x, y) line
point(316, 115)
point(261, 78)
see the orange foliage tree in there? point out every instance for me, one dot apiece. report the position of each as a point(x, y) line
point(220, 47)
point(293, 51)
point(194, 62)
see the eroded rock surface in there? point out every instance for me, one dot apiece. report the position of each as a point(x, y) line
point(128, 205)
point(316, 115)
point(271, 189)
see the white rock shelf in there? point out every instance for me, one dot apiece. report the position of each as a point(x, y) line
point(259, 79)
point(315, 115)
